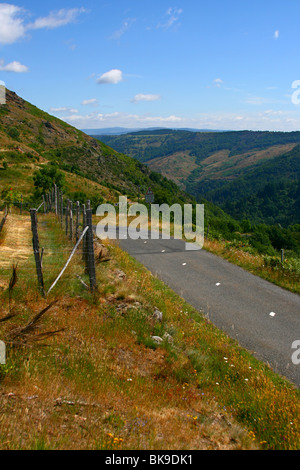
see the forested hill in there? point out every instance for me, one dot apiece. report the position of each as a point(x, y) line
point(251, 175)
point(148, 145)
point(269, 194)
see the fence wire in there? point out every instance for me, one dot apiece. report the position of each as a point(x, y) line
point(76, 222)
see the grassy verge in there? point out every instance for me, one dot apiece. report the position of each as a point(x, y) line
point(286, 274)
point(90, 375)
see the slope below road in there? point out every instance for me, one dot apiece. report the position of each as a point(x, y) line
point(263, 318)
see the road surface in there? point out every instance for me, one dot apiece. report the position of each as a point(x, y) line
point(263, 318)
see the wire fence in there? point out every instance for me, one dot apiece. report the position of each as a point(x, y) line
point(75, 220)
point(69, 215)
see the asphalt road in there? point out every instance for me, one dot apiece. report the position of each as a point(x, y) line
point(262, 317)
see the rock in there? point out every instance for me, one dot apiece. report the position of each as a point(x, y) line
point(157, 314)
point(120, 274)
point(122, 308)
point(157, 339)
point(168, 337)
point(101, 252)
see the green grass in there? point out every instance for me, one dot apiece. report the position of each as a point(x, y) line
point(256, 396)
point(103, 357)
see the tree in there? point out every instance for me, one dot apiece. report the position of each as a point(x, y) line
point(46, 177)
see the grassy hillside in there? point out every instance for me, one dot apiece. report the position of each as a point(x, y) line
point(88, 373)
point(31, 138)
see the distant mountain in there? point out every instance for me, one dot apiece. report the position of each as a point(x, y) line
point(125, 130)
point(117, 130)
point(215, 165)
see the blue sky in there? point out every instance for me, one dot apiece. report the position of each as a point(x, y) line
point(222, 64)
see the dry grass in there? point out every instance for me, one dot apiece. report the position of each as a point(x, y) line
point(102, 382)
point(95, 387)
point(17, 245)
point(253, 263)
point(99, 382)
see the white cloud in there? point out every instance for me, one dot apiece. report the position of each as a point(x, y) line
point(276, 34)
point(258, 100)
point(171, 17)
point(269, 120)
point(143, 97)
point(114, 76)
point(94, 120)
point(63, 109)
point(125, 26)
point(14, 66)
point(92, 101)
point(55, 19)
point(11, 23)
point(218, 82)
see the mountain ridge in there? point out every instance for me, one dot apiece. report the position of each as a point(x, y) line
point(202, 164)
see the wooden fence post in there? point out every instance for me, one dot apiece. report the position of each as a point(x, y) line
point(58, 202)
point(3, 220)
point(52, 198)
point(90, 249)
point(36, 250)
point(61, 209)
point(84, 239)
point(77, 220)
point(71, 220)
point(55, 198)
point(67, 215)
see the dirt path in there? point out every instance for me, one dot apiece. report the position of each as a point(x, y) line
point(16, 245)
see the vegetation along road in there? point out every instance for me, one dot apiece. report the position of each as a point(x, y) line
point(263, 318)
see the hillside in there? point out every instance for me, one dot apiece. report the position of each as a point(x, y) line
point(269, 194)
point(32, 141)
point(204, 163)
point(88, 373)
point(31, 138)
point(85, 371)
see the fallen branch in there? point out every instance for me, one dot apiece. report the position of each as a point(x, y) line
point(31, 325)
point(7, 317)
point(12, 282)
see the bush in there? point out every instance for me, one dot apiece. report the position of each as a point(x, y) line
point(47, 176)
point(13, 133)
